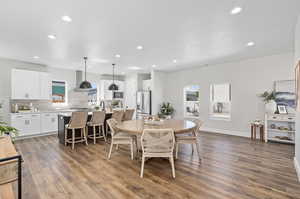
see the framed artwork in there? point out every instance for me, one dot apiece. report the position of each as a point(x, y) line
point(297, 86)
point(282, 109)
point(58, 92)
point(285, 93)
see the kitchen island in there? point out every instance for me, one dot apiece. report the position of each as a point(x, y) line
point(64, 119)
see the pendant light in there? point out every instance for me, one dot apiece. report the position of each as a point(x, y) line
point(113, 86)
point(85, 84)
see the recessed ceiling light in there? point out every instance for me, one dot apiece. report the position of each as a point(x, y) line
point(251, 43)
point(134, 68)
point(154, 66)
point(117, 56)
point(35, 57)
point(139, 47)
point(174, 61)
point(236, 10)
point(66, 18)
point(51, 36)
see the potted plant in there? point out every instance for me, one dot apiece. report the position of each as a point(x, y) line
point(6, 130)
point(269, 99)
point(166, 110)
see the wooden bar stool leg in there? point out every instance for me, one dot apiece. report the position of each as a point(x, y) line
point(254, 132)
point(103, 132)
point(94, 131)
point(251, 132)
point(73, 138)
point(84, 136)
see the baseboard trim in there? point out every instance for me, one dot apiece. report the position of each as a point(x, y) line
point(297, 167)
point(226, 132)
point(35, 135)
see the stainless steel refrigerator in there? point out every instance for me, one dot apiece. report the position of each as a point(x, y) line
point(143, 104)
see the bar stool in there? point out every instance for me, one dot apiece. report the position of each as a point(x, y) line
point(78, 121)
point(260, 126)
point(97, 120)
point(128, 114)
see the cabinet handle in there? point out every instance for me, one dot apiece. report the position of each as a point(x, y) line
point(53, 120)
point(20, 116)
point(34, 115)
point(27, 95)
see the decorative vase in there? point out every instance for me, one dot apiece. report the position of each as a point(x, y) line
point(271, 107)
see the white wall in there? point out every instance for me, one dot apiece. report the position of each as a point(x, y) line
point(131, 87)
point(297, 139)
point(248, 78)
point(158, 90)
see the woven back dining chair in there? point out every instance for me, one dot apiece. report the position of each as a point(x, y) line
point(190, 138)
point(118, 137)
point(158, 143)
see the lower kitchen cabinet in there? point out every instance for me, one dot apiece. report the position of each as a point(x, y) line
point(27, 124)
point(35, 123)
point(49, 122)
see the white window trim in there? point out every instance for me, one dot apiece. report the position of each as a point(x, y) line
point(184, 103)
point(213, 116)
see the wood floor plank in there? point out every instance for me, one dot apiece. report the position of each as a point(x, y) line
point(231, 167)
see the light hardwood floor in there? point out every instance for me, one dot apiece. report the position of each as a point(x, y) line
point(231, 167)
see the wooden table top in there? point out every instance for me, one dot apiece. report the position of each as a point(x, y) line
point(137, 126)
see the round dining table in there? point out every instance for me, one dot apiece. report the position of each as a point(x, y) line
point(137, 126)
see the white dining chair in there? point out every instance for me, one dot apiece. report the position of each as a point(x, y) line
point(158, 143)
point(120, 137)
point(190, 138)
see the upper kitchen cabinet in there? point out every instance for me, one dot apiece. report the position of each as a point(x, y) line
point(27, 84)
point(45, 86)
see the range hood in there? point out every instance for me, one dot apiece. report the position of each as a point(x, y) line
point(79, 80)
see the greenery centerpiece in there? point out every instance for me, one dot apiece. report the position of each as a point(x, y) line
point(166, 110)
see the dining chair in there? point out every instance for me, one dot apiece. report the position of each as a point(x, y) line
point(97, 120)
point(78, 121)
point(158, 143)
point(190, 138)
point(120, 137)
point(128, 114)
point(118, 116)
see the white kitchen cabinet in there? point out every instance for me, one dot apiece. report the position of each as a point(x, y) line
point(27, 124)
point(49, 122)
point(45, 86)
point(27, 84)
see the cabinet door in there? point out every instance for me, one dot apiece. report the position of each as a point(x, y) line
point(49, 122)
point(25, 84)
point(20, 122)
point(45, 86)
point(35, 124)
